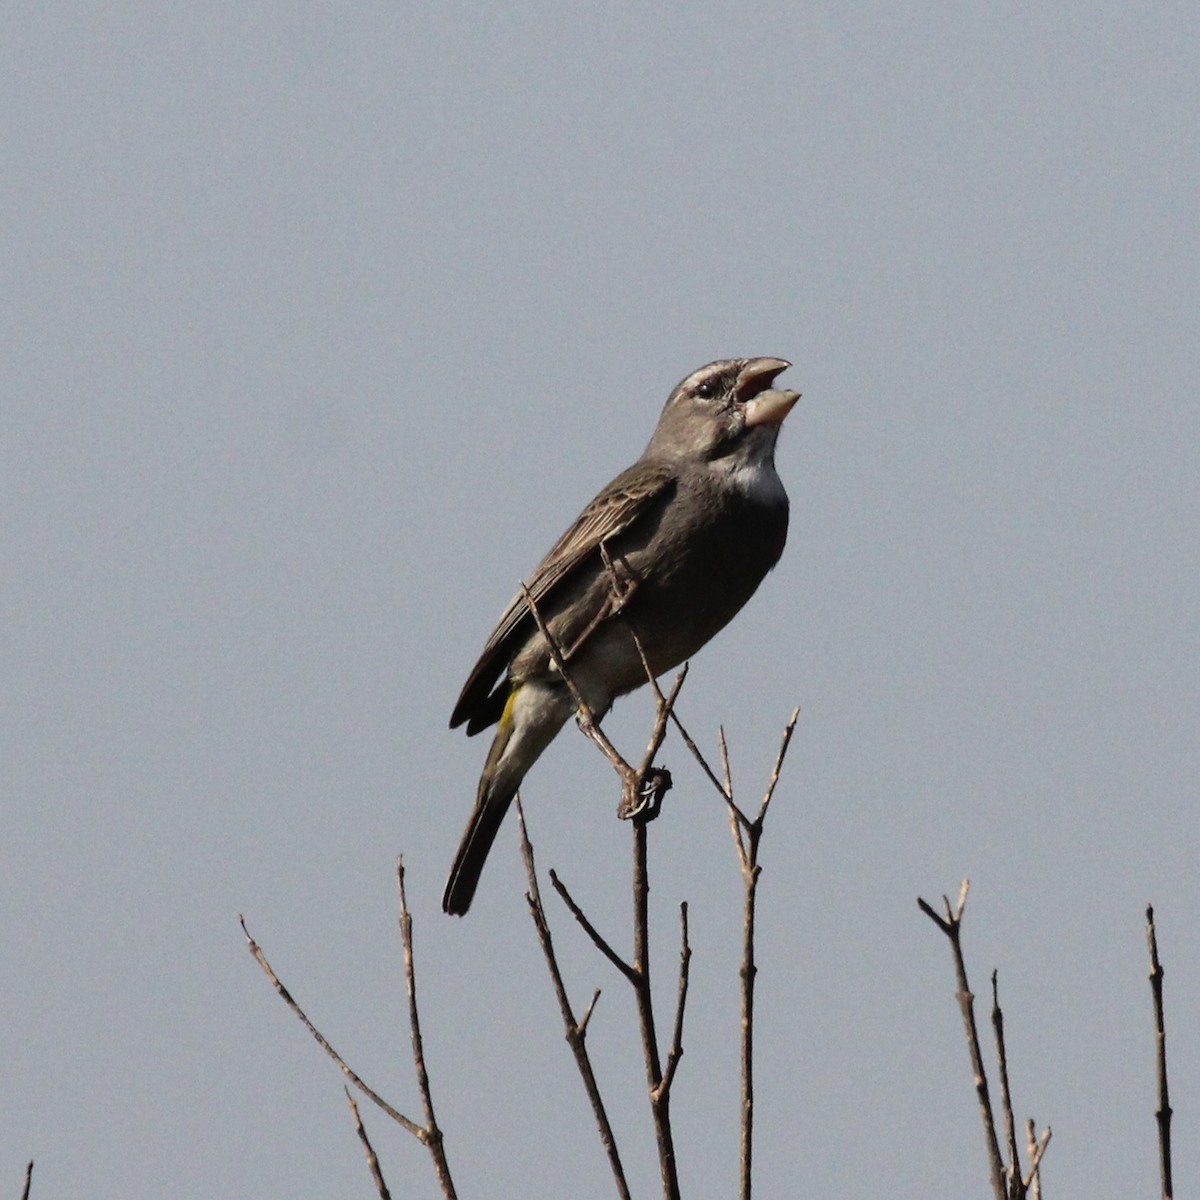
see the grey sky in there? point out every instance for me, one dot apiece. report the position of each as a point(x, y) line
point(321, 323)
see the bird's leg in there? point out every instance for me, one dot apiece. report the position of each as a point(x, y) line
point(622, 580)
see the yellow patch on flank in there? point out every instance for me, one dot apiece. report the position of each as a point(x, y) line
point(506, 717)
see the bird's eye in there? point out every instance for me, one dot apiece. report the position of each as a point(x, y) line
point(706, 390)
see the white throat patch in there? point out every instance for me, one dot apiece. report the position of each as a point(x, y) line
point(757, 480)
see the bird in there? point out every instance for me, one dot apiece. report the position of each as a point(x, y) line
point(666, 556)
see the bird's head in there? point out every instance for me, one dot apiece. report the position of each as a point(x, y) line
point(725, 407)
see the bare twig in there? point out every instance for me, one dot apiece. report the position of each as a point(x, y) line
point(747, 835)
point(951, 926)
point(1163, 1114)
point(660, 1098)
point(372, 1158)
point(432, 1133)
point(588, 721)
point(1007, 1182)
point(1010, 1125)
point(685, 957)
point(576, 1031)
point(409, 1124)
point(429, 1135)
point(1033, 1181)
point(698, 755)
point(598, 940)
point(642, 790)
point(1035, 1154)
point(28, 1180)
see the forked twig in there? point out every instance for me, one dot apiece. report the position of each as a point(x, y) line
point(416, 1130)
point(429, 1134)
point(642, 791)
point(747, 835)
point(432, 1133)
point(1008, 1183)
point(1163, 1114)
point(576, 1031)
point(951, 926)
point(1035, 1154)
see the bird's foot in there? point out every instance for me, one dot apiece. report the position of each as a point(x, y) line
point(642, 796)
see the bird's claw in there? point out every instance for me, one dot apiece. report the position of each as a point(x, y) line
point(642, 796)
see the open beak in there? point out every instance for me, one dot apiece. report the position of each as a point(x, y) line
point(764, 405)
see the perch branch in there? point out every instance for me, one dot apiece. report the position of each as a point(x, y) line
point(576, 1031)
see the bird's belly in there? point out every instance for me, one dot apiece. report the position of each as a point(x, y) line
point(676, 611)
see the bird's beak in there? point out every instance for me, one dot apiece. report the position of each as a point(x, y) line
point(763, 404)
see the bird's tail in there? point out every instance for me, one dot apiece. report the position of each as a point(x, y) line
point(533, 714)
point(485, 822)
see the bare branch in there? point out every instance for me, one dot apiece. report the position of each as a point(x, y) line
point(685, 957)
point(1163, 1114)
point(951, 926)
point(28, 1180)
point(372, 1158)
point(747, 836)
point(665, 706)
point(1010, 1125)
point(598, 940)
point(1033, 1181)
point(587, 1015)
point(1035, 1154)
point(726, 770)
point(416, 1130)
point(432, 1134)
point(660, 1099)
point(698, 755)
point(778, 768)
point(576, 1031)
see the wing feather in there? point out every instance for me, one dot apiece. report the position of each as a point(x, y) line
point(612, 512)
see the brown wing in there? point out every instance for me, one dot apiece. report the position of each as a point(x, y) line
point(614, 510)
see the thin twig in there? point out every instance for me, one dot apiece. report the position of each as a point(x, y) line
point(748, 973)
point(576, 1031)
point(685, 957)
point(28, 1180)
point(598, 940)
point(747, 836)
point(726, 769)
point(429, 1135)
point(1031, 1148)
point(1163, 1114)
point(951, 926)
point(778, 768)
point(1033, 1181)
point(698, 755)
point(588, 720)
point(432, 1133)
point(368, 1149)
point(660, 1099)
point(665, 706)
point(416, 1130)
point(1010, 1125)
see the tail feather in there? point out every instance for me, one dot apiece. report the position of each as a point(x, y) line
point(490, 809)
point(532, 715)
